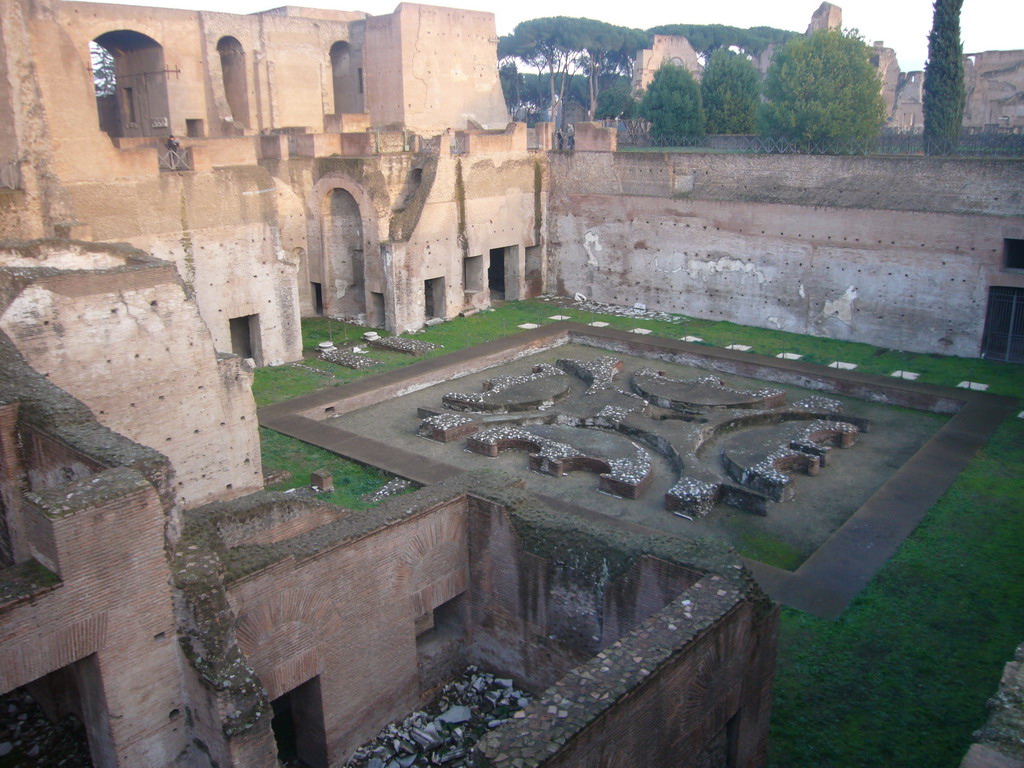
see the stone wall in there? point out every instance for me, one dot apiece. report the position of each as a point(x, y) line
point(373, 611)
point(829, 246)
point(450, 82)
point(85, 599)
point(418, 218)
point(108, 335)
point(995, 89)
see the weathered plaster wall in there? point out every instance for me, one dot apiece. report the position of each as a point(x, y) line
point(476, 203)
point(828, 246)
point(220, 230)
point(107, 336)
point(446, 76)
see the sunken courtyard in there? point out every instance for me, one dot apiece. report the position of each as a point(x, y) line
point(564, 584)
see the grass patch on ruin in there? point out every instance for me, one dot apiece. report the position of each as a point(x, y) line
point(902, 676)
point(287, 381)
point(352, 481)
point(768, 549)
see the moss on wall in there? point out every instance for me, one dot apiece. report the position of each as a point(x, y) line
point(460, 202)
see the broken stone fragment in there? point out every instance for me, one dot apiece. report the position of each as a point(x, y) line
point(457, 714)
point(427, 736)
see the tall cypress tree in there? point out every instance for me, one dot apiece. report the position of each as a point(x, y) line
point(944, 94)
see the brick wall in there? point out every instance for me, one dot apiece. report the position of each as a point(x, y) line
point(347, 614)
point(104, 537)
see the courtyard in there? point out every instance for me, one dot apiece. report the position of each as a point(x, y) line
point(924, 667)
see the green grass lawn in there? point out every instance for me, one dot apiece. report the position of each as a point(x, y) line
point(901, 678)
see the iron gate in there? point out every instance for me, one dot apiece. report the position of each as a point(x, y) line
point(1004, 325)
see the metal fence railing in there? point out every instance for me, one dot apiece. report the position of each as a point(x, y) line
point(973, 144)
point(176, 159)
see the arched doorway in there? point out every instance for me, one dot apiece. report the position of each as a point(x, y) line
point(131, 84)
point(232, 65)
point(347, 79)
point(343, 253)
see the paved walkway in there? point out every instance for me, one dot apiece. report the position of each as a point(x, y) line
point(826, 581)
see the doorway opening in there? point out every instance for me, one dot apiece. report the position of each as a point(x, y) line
point(1003, 338)
point(298, 725)
point(378, 314)
point(343, 254)
point(496, 273)
point(318, 298)
point(62, 716)
point(130, 82)
point(433, 298)
point(233, 73)
point(245, 334)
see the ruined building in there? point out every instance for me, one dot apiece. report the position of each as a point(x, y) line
point(364, 167)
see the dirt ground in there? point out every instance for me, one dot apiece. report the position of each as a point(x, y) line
point(793, 528)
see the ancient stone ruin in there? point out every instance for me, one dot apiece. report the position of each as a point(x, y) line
point(727, 445)
point(331, 163)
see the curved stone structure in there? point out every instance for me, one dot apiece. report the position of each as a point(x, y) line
point(504, 394)
point(624, 467)
point(702, 394)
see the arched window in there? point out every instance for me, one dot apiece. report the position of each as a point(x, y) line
point(232, 65)
point(343, 253)
point(131, 84)
point(347, 79)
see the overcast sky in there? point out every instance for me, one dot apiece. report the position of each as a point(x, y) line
point(902, 24)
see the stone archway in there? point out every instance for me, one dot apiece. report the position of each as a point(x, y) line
point(346, 79)
point(236, 91)
point(134, 102)
point(343, 254)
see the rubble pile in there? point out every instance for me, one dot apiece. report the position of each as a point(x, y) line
point(445, 733)
point(393, 486)
point(598, 373)
point(402, 344)
point(612, 309)
point(349, 358)
point(28, 738)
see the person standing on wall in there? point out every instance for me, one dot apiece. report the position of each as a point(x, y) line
point(174, 157)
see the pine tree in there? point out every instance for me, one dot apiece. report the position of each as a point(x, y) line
point(673, 105)
point(822, 88)
point(730, 90)
point(944, 94)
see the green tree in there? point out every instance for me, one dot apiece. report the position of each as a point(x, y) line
point(730, 91)
point(548, 44)
point(608, 52)
point(944, 95)
point(103, 76)
point(708, 38)
point(562, 47)
point(672, 104)
point(616, 101)
point(822, 87)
